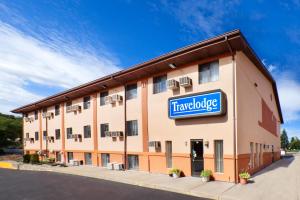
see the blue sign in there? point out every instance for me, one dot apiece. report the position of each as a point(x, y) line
point(197, 105)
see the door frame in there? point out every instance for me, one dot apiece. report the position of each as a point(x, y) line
point(191, 160)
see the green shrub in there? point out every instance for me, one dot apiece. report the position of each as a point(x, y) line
point(175, 171)
point(244, 175)
point(206, 173)
point(26, 158)
point(34, 159)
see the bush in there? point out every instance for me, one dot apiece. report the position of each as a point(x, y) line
point(244, 175)
point(206, 173)
point(34, 159)
point(26, 158)
point(175, 171)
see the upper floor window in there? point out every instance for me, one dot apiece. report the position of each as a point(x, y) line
point(86, 102)
point(103, 129)
point(36, 135)
point(27, 135)
point(102, 97)
point(25, 115)
point(69, 133)
point(209, 72)
point(44, 135)
point(57, 134)
point(68, 104)
point(132, 127)
point(131, 91)
point(36, 115)
point(44, 110)
point(87, 131)
point(57, 110)
point(159, 84)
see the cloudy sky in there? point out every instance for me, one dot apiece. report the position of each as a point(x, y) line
point(49, 46)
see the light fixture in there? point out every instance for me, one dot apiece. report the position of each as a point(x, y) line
point(172, 65)
point(206, 143)
point(104, 86)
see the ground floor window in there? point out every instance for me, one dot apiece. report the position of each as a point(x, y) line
point(219, 164)
point(169, 154)
point(251, 164)
point(105, 159)
point(58, 157)
point(88, 158)
point(133, 162)
point(70, 156)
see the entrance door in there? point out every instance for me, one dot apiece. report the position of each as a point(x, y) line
point(88, 158)
point(197, 157)
point(58, 157)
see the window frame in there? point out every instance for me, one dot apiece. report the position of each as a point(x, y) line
point(36, 115)
point(69, 135)
point(86, 102)
point(102, 97)
point(131, 91)
point(209, 65)
point(130, 126)
point(102, 132)
point(219, 162)
point(44, 135)
point(136, 164)
point(87, 133)
point(157, 82)
point(57, 133)
point(57, 110)
point(36, 135)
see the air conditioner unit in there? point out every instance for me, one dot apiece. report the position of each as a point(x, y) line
point(117, 97)
point(110, 166)
point(26, 139)
point(107, 134)
point(73, 108)
point(118, 166)
point(155, 144)
point(31, 140)
point(185, 81)
point(173, 84)
point(120, 133)
point(114, 134)
point(29, 119)
point(108, 100)
point(47, 114)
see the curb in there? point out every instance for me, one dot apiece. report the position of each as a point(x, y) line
point(7, 165)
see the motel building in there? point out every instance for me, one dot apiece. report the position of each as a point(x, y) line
point(211, 105)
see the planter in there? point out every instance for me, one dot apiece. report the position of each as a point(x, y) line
point(205, 178)
point(243, 181)
point(175, 175)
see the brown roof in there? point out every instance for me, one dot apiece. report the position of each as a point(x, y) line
point(226, 43)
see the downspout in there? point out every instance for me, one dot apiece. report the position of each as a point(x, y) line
point(234, 110)
point(125, 132)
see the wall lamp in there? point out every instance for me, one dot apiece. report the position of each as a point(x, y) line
point(172, 65)
point(206, 143)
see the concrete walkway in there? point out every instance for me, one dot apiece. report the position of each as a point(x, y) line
point(281, 181)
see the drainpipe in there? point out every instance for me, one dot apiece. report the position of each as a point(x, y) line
point(47, 137)
point(125, 128)
point(234, 111)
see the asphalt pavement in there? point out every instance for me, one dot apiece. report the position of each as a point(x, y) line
point(32, 185)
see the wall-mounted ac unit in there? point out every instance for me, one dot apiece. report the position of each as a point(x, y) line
point(47, 114)
point(117, 134)
point(185, 81)
point(117, 98)
point(31, 140)
point(73, 108)
point(118, 166)
point(107, 134)
point(110, 166)
point(173, 84)
point(155, 144)
point(108, 100)
point(29, 119)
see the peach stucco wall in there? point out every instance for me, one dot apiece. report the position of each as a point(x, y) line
point(31, 128)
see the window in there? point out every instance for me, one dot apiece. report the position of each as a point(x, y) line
point(103, 129)
point(209, 72)
point(133, 162)
point(131, 91)
point(88, 158)
point(86, 102)
point(36, 135)
point(44, 135)
point(102, 98)
point(251, 164)
point(57, 110)
point(27, 135)
point(70, 156)
point(169, 154)
point(36, 115)
point(87, 131)
point(219, 164)
point(44, 110)
point(57, 134)
point(69, 133)
point(159, 84)
point(105, 159)
point(68, 104)
point(132, 127)
point(256, 155)
point(25, 115)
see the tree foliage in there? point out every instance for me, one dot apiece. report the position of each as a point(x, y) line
point(284, 139)
point(295, 143)
point(10, 130)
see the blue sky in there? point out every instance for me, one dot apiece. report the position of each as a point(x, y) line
point(49, 46)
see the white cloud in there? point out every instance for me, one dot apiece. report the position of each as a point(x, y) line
point(207, 17)
point(26, 59)
point(288, 89)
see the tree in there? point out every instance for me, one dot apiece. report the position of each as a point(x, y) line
point(10, 130)
point(284, 139)
point(295, 143)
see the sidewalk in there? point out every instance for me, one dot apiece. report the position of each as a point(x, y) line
point(185, 185)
